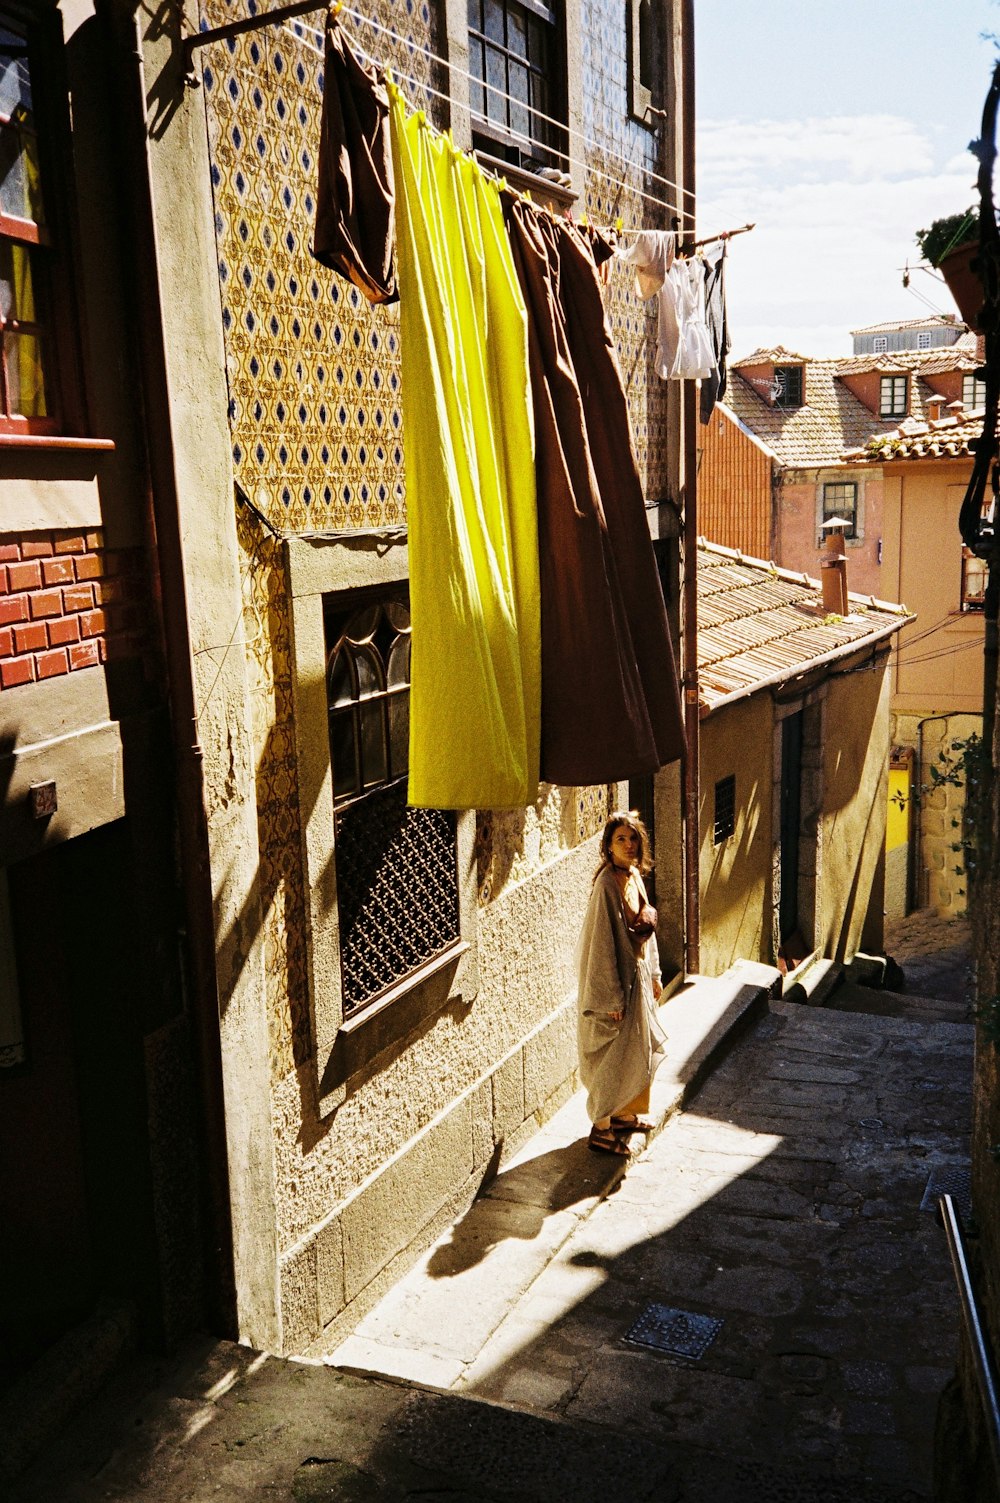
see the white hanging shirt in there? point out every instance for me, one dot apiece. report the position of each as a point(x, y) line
point(683, 347)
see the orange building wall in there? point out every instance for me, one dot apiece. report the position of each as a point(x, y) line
point(797, 530)
point(734, 488)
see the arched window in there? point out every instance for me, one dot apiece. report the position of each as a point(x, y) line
point(397, 885)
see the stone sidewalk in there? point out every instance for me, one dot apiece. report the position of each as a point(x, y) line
point(777, 1215)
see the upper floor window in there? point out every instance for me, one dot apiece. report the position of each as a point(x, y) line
point(515, 59)
point(892, 396)
point(924, 341)
point(973, 392)
point(788, 386)
point(841, 500)
point(725, 809)
point(41, 390)
point(397, 880)
point(26, 374)
point(880, 344)
point(974, 579)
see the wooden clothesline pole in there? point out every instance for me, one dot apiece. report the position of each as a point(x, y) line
point(726, 235)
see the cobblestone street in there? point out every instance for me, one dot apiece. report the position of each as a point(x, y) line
point(774, 1226)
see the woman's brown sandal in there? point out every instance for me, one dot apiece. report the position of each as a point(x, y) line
point(603, 1140)
point(631, 1124)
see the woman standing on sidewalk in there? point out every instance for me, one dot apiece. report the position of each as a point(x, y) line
point(620, 1041)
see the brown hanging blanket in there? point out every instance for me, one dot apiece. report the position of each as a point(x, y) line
point(355, 197)
point(611, 707)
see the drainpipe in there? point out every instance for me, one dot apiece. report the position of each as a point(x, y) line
point(917, 870)
point(689, 418)
point(152, 398)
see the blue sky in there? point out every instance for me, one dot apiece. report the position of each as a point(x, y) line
point(841, 127)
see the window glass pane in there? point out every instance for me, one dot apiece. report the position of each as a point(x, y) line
point(493, 26)
point(399, 734)
point(15, 80)
point(25, 376)
point(343, 753)
point(520, 119)
point(398, 614)
point(399, 662)
point(340, 680)
point(517, 32)
point(496, 77)
point(475, 15)
point(373, 759)
point(13, 178)
point(369, 671)
point(362, 625)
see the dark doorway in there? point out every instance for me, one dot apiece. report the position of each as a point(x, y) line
point(76, 1222)
point(791, 821)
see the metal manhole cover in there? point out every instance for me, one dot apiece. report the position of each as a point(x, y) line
point(678, 1332)
point(950, 1179)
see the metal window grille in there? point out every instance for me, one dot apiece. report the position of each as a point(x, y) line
point(725, 808)
point(788, 386)
point(923, 341)
point(514, 46)
point(880, 344)
point(893, 396)
point(973, 392)
point(397, 886)
point(841, 500)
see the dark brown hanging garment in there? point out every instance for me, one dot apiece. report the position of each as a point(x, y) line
point(355, 218)
point(610, 703)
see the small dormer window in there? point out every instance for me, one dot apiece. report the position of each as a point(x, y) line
point(788, 386)
point(893, 395)
point(973, 392)
point(880, 344)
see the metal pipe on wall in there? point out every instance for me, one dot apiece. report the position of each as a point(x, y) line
point(689, 418)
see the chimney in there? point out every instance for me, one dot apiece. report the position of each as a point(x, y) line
point(934, 405)
point(833, 568)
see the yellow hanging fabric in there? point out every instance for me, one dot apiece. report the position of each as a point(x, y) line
point(468, 443)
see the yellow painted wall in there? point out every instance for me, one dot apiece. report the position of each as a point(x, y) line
point(736, 875)
point(853, 821)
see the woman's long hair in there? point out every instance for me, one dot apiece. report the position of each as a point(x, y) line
point(644, 856)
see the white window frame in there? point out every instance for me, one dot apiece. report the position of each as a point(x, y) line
point(880, 344)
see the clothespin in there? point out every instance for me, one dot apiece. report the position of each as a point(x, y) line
point(619, 223)
point(336, 8)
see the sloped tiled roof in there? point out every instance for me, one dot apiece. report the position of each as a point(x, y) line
point(832, 420)
point(933, 321)
point(759, 626)
point(778, 355)
point(946, 438)
point(834, 423)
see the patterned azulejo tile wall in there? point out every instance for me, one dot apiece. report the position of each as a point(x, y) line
point(313, 371)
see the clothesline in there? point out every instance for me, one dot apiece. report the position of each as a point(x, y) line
point(345, 10)
point(420, 83)
point(302, 7)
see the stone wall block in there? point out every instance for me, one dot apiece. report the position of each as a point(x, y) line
point(330, 1271)
point(549, 1059)
point(508, 1097)
point(391, 1210)
point(483, 1138)
point(299, 1301)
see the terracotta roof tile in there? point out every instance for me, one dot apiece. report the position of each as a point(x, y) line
point(834, 426)
point(778, 355)
point(934, 321)
point(758, 625)
point(947, 438)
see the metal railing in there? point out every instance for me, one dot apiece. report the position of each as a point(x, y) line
point(982, 1358)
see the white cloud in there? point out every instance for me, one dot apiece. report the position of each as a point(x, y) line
point(837, 203)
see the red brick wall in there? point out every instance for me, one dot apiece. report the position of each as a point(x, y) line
point(66, 602)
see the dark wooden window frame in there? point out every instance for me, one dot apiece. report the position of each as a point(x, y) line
point(547, 147)
point(789, 387)
point(893, 397)
point(973, 391)
point(839, 506)
point(51, 244)
point(725, 809)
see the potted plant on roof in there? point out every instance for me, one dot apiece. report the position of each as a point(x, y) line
point(951, 245)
